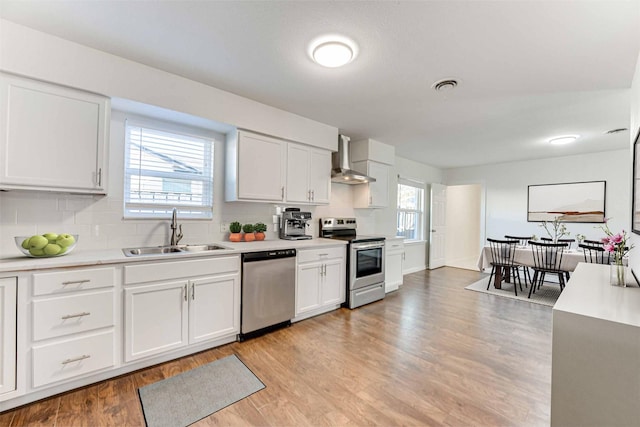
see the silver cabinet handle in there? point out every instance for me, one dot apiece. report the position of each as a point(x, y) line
point(185, 292)
point(193, 291)
point(313, 195)
point(99, 176)
point(75, 282)
point(71, 316)
point(76, 359)
point(282, 193)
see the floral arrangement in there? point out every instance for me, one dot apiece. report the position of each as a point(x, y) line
point(615, 243)
point(558, 228)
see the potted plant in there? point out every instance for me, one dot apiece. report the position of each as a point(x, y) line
point(234, 231)
point(259, 229)
point(248, 233)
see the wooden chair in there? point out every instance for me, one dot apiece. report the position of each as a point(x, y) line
point(547, 258)
point(502, 254)
point(569, 242)
point(595, 254)
point(522, 241)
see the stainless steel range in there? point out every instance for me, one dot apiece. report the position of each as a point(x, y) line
point(365, 260)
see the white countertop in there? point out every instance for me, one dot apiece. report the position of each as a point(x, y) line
point(589, 293)
point(79, 257)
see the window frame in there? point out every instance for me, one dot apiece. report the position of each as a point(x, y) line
point(419, 211)
point(203, 210)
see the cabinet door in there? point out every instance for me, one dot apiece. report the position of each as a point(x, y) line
point(393, 270)
point(333, 282)
point(54, 137)
point(298, 158)
point(308, 288)
point(155, 318)
point(320, 177)
point(214, 304)
point(261, 167)
point(8, 334)
point(379, 190)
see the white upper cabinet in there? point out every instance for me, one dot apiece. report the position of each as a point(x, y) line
point(52, 138)
point(374, 194)
point(308, 175)
point(255, 167)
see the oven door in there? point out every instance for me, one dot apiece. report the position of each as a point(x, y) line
point(366, 264)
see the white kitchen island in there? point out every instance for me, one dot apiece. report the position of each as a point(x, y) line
point(596, 352)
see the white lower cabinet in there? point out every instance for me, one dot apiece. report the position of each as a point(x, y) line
point(320, 281)
point(394, 260)
point(8, 287)
point(171, 314)
point(73, 324)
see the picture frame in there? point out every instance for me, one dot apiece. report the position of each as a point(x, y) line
point(635, 186)
point(568, 202)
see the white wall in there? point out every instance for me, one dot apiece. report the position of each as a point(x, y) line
point(506, 189)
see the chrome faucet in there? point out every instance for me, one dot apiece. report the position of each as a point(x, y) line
point(175, 237)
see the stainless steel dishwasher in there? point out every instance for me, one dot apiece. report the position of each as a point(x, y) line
point(268, 291)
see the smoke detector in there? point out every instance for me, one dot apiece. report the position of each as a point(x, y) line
point(445, 85)
point(612, 131)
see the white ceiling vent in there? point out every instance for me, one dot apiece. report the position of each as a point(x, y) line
point(445, 85)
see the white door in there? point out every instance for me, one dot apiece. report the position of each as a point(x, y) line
point(333, 287)
point(380, 188)
point(438, 230)
point(298, 174)
point(155, 318)
point(7, 335)
point(261, 166)
point(213, 303)
point(308, 288)
point(320, 176)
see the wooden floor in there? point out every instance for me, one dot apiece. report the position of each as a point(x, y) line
point(432, 353)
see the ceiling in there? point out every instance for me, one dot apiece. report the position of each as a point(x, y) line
point(527, 70)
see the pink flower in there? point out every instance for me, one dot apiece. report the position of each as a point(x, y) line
point(605, 240)
point(616, 239)
point(609, 248)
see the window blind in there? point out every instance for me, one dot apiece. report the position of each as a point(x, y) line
point(164, 170)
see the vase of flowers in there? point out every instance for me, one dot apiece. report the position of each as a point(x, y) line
point(616, 246)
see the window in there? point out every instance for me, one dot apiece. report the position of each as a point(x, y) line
point(410, 209)
point(164, 170)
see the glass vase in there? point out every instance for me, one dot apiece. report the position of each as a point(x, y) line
point(618, 274)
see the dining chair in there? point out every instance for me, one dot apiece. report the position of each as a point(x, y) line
point(595, 254)
point(593, 242)
point(502, 254)
point(547, 258)
point(522, 241)
point(569, 242)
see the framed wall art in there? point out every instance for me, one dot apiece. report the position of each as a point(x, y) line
point(569, 202)
point(635, 186)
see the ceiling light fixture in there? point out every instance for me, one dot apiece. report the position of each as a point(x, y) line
point(564, 139)
point(332, 51)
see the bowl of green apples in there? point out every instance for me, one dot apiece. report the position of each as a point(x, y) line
point(46, 245)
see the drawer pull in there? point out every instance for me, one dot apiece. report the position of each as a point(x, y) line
point(323, 254)
point(75, 282)
point(71, 316)
point(76, 359)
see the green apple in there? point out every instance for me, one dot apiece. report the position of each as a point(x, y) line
point(62, 250)
point(51, 237)
point(38, 242)
point(25, 243)
point(52, 249)
point(36, 252)
point(65, 240)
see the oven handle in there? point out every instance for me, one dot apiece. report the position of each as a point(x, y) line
point(368, 246)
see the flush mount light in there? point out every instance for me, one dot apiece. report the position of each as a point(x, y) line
point(564, 139)
point(332, 51)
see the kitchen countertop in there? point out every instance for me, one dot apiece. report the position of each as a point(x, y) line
point(79, 258)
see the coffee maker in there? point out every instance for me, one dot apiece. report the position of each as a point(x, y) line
point(294, 223)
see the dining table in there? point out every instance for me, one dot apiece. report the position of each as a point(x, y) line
point(524, 256)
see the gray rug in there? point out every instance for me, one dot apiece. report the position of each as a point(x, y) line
point(547, 295)
point(190, 396)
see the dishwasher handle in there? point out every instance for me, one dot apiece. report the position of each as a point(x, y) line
point(267, 255)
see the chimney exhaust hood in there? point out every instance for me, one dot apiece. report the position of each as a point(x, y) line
point(341, 171)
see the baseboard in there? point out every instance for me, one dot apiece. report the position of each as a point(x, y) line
point(414, 269)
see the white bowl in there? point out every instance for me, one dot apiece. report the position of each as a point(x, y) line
point(20, 239)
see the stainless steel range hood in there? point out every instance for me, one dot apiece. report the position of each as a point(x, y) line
point(341, 166)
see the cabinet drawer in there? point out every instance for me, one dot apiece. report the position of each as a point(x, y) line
point(70, 358)
point(73, 280)
point(310, 255)
point(54, 317)
point(180, 269)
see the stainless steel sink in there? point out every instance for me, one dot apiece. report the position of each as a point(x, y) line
point(161, 250)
